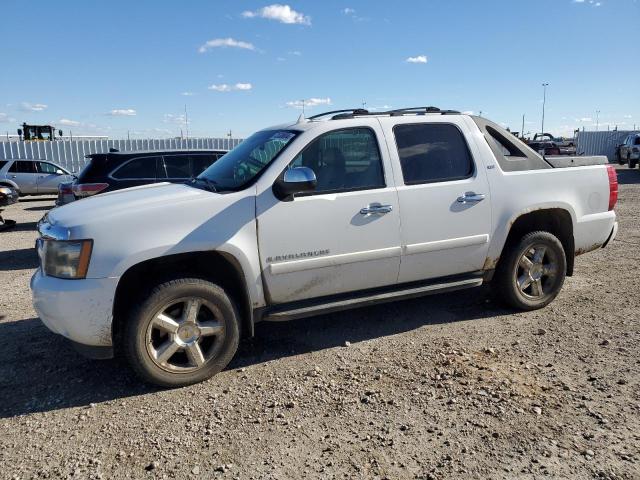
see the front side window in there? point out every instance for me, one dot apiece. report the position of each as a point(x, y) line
point(201, 161)
point(137, 169)
point(174, 166)
point(343, 160)
point(44, 167)
point(432, 152)
point(242, 165)
point(23, 167)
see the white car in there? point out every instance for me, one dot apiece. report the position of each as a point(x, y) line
point(344, 209)
point(33, 177)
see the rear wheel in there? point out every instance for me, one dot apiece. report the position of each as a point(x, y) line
point(184, 331)
point(632, 163)
point(531, 272)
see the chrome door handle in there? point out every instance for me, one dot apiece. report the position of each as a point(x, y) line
point(470, 197)
point(13, 176)
point(376, 208)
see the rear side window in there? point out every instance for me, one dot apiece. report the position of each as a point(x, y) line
point(175, 166)
point(138, 169)
point(23, 167)
point(636, 142)
point(432, 152)
point(2, 164)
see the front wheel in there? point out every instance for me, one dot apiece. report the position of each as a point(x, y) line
point(531, 272)
point(632, 163)
point(185, 331)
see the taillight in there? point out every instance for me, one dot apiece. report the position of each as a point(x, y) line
point(65, 189)
point(613, 186)
point(87, 189)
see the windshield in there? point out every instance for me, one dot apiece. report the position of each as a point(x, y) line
point(245, 162)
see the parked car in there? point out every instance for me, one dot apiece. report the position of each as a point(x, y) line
point(33, 177)
point(629, 151)
point(8, 196)
point(333, 212)
point(111, 171)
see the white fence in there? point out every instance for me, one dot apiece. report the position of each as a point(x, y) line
point(71, 153)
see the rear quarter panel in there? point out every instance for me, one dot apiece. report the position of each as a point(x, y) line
point(582, 191)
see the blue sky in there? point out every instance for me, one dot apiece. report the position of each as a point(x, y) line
point(112, 67)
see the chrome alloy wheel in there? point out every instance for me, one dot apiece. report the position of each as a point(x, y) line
point(536, 271)
point(185, 334)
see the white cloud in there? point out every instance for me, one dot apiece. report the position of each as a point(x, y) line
point(417, 59)
point(348, 11)
point(174, 119)
point(187, 94)
point(4, 118)
point(297, 53)
point(69, 123)
point(280, 13)
point(122, 112)
point(33, 107)
point(225, 43)
point(468, 112)
point(224, 87)
point(309, 102)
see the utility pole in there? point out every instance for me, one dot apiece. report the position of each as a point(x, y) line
point(522, 131)
point(303, 115)
point(480, 114)
point(597, 120)
point(364, 105)
point(544, 103)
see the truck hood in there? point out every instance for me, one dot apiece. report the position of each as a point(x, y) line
point(136, 224)
point(130, 202)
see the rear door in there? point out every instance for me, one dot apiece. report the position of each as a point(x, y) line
point(24, 174)
point(445, 206)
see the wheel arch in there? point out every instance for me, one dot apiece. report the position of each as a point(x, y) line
point(555, 220)
point(8, 183)
point(218, 267)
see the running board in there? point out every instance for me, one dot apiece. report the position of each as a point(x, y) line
point(372, 299)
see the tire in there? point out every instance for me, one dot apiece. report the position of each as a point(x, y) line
point(183, 332)
point(632, 163)
point(518, 282)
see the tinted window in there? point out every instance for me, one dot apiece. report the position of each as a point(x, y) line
point(637, 141)
point(2, 163)
point(344, 160)
point(175, 166)
point(44, 167)
point(432, 152)
point(200, 162)
point(138, 168)
point(23, 167)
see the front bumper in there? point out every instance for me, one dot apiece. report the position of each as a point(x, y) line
point(80, 310)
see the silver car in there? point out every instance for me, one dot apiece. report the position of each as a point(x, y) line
point(33, 177)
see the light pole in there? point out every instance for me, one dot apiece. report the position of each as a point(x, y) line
point(544, 102)
point(597, 119)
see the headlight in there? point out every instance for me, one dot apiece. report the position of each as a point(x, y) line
point(6, 191)
point(65, 258)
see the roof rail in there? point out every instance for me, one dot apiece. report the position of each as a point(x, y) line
point(354, 111)
point(357, 112)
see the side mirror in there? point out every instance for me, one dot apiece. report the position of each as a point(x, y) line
point(59, 133)
point(59, 172)
point(295, 180)
point(20, 131)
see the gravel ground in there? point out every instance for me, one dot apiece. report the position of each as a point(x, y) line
point(450, 386)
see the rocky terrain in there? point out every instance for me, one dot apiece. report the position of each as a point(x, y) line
point(449, 386)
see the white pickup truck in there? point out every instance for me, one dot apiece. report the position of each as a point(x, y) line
point(343, 209)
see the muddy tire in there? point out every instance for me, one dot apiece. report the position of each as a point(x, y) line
point(184, 331)
point(531, 271)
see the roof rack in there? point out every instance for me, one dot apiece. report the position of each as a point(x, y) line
point(359, 112)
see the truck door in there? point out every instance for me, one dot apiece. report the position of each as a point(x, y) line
point(342, 237)
point(445, 206)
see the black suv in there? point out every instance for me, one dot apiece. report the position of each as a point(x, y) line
point(106, 172)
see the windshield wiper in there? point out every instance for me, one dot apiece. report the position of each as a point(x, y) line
point(211, 185)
